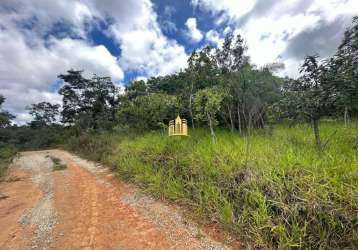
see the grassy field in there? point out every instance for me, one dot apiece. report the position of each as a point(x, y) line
point(271, 189)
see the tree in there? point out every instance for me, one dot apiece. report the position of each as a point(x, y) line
point(344, 72)
point(5, 116)
point(148, 111)
point(44, 113)
point(309, 96)
point(230, 60)
point(88, 103)
point(231, 57)
point(207, 104)
point(201, 73)
point(249, 92)
point(135, 89)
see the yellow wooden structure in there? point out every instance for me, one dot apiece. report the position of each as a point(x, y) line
point(178, 127)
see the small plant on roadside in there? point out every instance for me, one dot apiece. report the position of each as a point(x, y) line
point(13, 178)
point(57, 164)
point(7, 154)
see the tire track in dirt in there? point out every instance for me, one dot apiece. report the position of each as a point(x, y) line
point(103, 222)
point(21, 195)
point(42, 217)
point(94, 210)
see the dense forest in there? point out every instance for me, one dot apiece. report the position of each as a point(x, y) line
point(236, 168)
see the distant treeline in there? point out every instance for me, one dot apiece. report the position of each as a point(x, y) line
point(220, 87)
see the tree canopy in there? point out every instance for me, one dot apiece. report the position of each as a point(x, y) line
point(88, 103)
point(5, 116)
point(44, 113)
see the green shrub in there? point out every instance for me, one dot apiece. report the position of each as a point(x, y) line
point(57, 164)
point(7, 152)
point(27, 138)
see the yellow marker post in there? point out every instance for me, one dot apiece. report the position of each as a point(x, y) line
point(178, 127)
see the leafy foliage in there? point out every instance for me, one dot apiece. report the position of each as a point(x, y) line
point(247, 93)
point(57, 164)
point(5, 117)
point(207, 104)
point(88, 103)
point(344, 71)
point(308, 97)
point(148, 111)
point(44, 113)
point(7, 152)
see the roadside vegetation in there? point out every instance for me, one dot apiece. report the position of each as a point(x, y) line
point(7, 152)
point(57, 164)
point(272, 189)
point(272, 160)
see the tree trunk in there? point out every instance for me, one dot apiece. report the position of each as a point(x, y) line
point(262, 120)
point(245, 118)
point(231, 120)
point(239, 118)
point(249, 125)
point(345, 116)
point(191, 105)
point(316, 134)
point(211, 128)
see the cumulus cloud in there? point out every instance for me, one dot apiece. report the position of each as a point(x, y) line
point(144, 47)
point(285, 31)
point(27, 73)
point(32, 54)
point(150, 53)
point(213, 37)
point(193, 32)
point(42, 15)
point(166, 23)
point(226, 9)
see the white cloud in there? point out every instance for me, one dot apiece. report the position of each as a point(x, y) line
point(267, 38)
point(232, 9)
point(330, 9)
point(169, 11)
point(213, 37)
point(19, 97)
point(269, 34)
point(43, 14)
point(27, 73)
point(151, 53)
point(29, 64)
point(145, 48)
point(227, 30)
point(193, 32)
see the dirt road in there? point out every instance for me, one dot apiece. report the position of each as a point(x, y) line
point(86, 207)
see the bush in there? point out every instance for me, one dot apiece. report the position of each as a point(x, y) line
point(7, 152)
point(57, 164)
point(27, 138)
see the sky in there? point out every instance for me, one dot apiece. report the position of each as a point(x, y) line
point(137, 39)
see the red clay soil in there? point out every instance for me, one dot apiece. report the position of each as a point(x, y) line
point(86, 207)
point(16, 196)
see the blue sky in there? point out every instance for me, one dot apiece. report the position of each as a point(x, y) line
point(137, 39)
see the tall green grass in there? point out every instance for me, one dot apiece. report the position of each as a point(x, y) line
point(7, 152)
point(272, 190)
